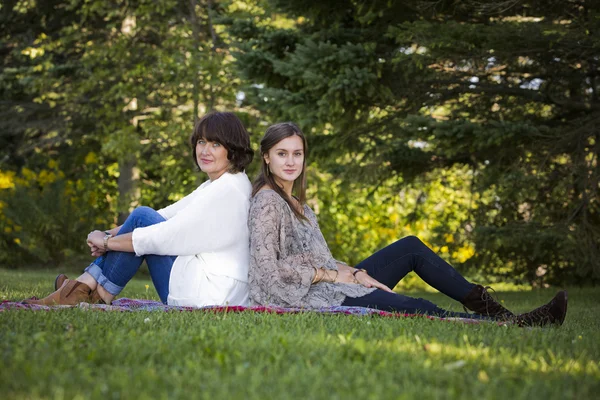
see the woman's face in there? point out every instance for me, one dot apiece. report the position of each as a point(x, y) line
point(212, 158)
point(286, 159)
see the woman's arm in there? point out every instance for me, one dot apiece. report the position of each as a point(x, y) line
point(96, 241)
point(347, 274)
point(114, 231)
point(167, 212)
point(214, 220)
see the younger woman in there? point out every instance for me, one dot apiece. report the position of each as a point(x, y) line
point(291, 265)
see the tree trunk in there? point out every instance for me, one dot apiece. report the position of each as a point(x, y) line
point(195, 58)
point(128, 191)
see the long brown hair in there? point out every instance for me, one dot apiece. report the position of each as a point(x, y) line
point(275, 134)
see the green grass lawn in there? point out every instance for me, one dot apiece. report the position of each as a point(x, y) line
point(74, 353)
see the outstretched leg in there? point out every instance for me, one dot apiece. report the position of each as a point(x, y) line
point(553, 312)
point(393, 302)
point(390, 264)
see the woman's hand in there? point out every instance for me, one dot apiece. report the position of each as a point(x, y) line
point(95, 240)
point(345, 275)
point(97, 251)
point(366, 280)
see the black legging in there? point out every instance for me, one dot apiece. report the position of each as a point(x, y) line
point(390, 264)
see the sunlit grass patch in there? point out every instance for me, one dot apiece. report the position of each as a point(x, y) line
point(91, 354)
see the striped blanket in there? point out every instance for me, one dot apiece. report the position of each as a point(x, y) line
point(131, 305)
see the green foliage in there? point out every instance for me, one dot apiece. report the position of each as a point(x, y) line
point(129, 78)
point(471, 120)
point(402, 92)
point(46, 217)
point(123, 82)
point(357, 220)
point(82, 353)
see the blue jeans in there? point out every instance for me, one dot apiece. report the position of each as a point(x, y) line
point(114, 269)
point(390, 264)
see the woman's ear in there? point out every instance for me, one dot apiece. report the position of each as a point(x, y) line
point(266, 158)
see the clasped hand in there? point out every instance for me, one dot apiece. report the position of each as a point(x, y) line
point(95, 240)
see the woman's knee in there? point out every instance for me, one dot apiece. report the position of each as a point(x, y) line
point(142, 211)
point(411, 241)
point(143, 216)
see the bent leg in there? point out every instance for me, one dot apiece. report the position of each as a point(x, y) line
point(113, 270)
point(390, 264)
point(393, 302)
point(160, 272)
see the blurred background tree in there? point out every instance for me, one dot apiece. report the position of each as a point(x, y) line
point(110, 92)
point(472, 124)
point(399, 94)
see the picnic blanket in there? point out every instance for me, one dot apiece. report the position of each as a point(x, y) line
point(131, 305)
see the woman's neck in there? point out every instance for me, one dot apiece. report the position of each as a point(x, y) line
point(214, 177)
point(286, 186)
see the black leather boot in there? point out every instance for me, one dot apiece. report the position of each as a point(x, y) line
point(481, 302)
point(554, 312)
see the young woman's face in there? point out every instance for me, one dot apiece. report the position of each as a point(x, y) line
point(286, 159)
point(212, 158)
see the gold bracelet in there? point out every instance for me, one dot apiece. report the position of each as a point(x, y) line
point(317, 279)
point(326, 271)
point(336, 276)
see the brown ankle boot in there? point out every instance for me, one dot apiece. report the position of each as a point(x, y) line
point(71, 293)
point(554, 312)
point(95, 297)
point(58, 282)
point(481, 302)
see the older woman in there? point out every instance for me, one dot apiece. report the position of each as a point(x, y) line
point(291, 265)
point(196, 249)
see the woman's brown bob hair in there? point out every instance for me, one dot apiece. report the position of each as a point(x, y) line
point(227, 129)
point(275, 134)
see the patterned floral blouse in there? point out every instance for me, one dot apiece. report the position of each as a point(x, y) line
point(283, 252)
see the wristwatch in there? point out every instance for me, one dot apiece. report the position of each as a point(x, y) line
point(106, 237)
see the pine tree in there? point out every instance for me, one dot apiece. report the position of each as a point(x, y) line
point(506, 89)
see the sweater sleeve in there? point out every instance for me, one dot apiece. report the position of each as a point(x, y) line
point(275, 278)
point(214, 219)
